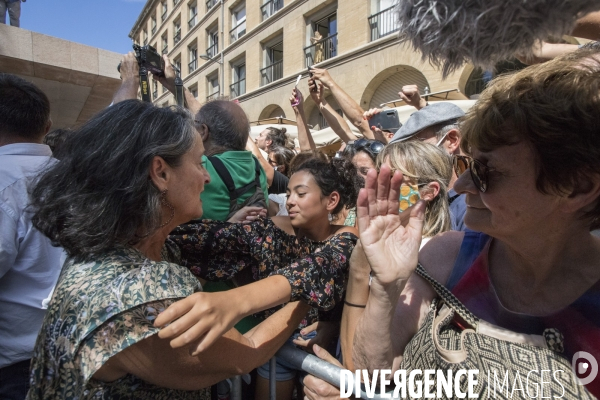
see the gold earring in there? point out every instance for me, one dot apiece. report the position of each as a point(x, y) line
point(165, 202)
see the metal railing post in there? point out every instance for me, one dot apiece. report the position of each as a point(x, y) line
point(236, 387)
point(273, 378)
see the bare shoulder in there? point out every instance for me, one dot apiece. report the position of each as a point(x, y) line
point(439, 254)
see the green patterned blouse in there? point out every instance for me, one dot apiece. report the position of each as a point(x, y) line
point(98, 309)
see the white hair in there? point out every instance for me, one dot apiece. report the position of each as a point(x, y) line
point(484, 32)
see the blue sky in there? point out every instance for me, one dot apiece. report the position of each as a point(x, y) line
point(98, 23)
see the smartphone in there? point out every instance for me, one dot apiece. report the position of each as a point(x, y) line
point(409, 196)
point(386, 120)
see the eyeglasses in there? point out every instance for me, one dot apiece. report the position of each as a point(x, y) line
point(479, 171)
point(373, 147)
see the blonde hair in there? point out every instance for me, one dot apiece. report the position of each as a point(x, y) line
point(425, 163)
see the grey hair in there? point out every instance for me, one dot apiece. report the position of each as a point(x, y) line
point(228, 131)
point(484, 32)
point(100, 194)
point(442, 129)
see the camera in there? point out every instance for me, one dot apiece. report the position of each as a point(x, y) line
point(147, 57)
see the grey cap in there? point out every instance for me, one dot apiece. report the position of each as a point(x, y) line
point(433, 114)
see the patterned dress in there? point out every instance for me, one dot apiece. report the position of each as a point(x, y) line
point(98, 309)
point(316, 271)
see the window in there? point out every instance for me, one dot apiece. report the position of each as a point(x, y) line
point(273, 63)
point(383, 21)
point(177, 64)
point(177, 31)
point(165, 44)
point(153, 24)
point(175, 2)
point(212, 86)
point(270, 7)
point(145, 36)
point(238, 87)
point(323, 40)
point(213, 42)
point(154, 89)
point(164, 11)
point(193, 13)
point(210, 4)
point(193, 52)
point(238, 22)
point(194, 91)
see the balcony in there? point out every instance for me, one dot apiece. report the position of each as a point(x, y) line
point(237, 88)
point(164, 15)
point(238, 31)
point(322, 50)
point(213, 96)
point(192, 21)
point(270, 8)
point(271, 73)
point(177, 37)
point(210, 4)
point(192, 65)
point(212, 50)
point(383, 23)
point(165, 50)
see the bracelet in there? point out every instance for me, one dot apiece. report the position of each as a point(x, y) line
point(354, 305)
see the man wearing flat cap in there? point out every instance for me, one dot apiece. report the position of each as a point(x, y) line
point(437, 123)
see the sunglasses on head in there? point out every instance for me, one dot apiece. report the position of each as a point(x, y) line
point(479, 171)
point(373, 147)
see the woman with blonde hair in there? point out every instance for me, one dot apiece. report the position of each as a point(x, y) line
point(429, 169)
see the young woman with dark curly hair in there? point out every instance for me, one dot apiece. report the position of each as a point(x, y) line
point(315, 252)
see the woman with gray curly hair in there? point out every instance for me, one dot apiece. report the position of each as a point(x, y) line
point(127, 178)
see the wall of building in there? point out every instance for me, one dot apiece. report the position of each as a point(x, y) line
point(360, 66)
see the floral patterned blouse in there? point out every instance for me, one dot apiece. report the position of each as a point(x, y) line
point(317, 271)
point(98, 309)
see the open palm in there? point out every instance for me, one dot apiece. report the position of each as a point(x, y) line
point(390, 240)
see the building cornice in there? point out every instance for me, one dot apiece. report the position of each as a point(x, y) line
point(148, 7)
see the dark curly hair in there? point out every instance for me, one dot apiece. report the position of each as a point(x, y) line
point(99, 195)
point(338, 175)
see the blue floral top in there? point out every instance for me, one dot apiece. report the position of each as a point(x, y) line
point(98, 309)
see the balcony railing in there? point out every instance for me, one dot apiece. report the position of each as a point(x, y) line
point(322, 50)
point(165, 50)
point(383, 23)
point(210, 4)
point(213, 96)
point(270, 8)
point(271, 73)
point(164, 15)
point(192, 21)
point(177, 37)
point(155, 94)
point(193, 65)
point(238, 31)
point(213, 50)
point(237, 88)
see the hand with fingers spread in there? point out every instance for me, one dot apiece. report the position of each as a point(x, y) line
point(318, 389)
point(200, 319)
point(390, 241)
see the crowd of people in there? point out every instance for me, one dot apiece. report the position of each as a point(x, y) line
point(153, 253)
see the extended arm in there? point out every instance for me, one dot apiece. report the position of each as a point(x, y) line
point(588, 27)
point(305, 139)
point(130, 79)
point(269, 170)
point(168, 80)
point(349, 107)
point(336, 122)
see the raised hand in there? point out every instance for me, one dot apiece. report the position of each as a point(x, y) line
point(410, 94)
point(390, 241)
point(323, 76)
point(297, 100)
point(315, 89)
point(168, 80)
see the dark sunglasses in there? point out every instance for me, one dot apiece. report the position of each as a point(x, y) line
point(479, 171)
point(373, 147)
